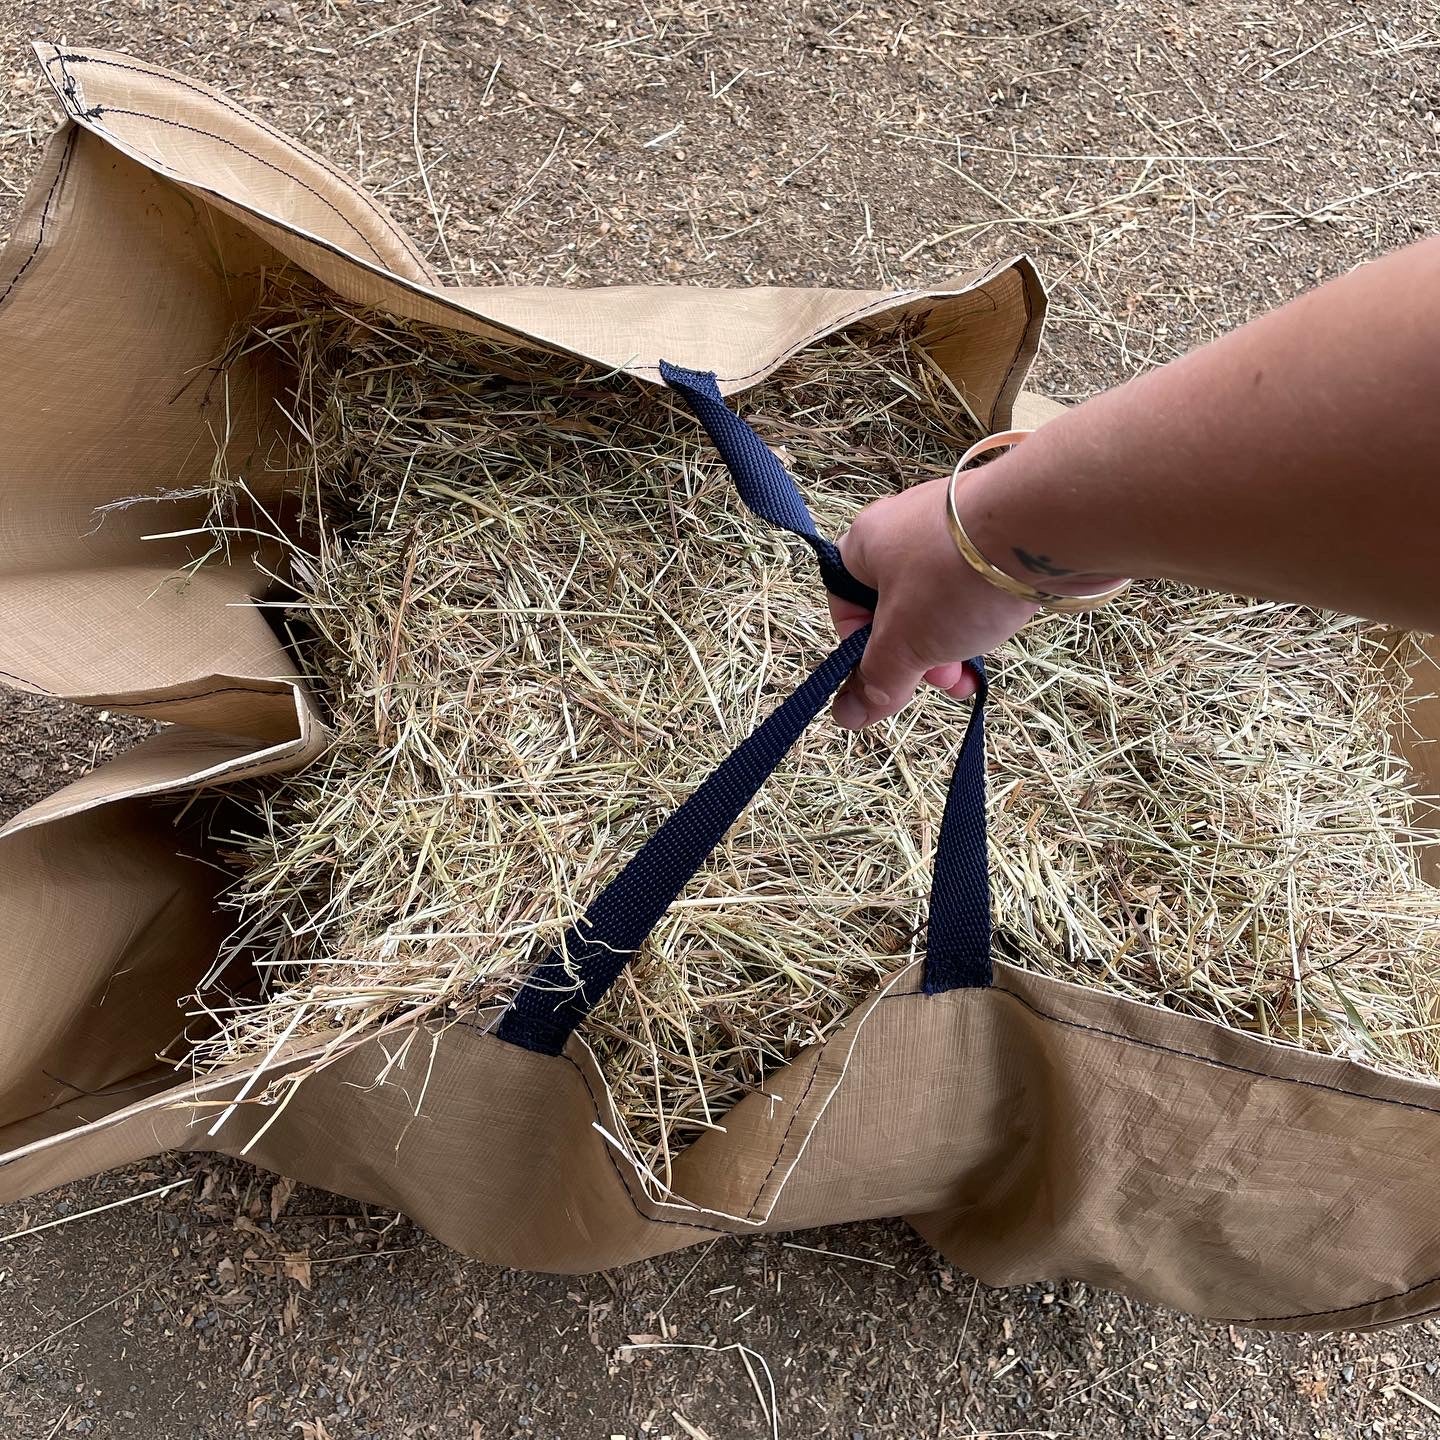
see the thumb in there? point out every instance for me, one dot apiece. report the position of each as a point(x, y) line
point(890, 672)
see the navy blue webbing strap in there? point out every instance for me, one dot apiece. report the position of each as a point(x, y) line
point(762, 481)
point(957, 934)
point(569, 982)
point(551, 1003)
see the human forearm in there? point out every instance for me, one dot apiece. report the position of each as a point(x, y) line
point(1296, 459)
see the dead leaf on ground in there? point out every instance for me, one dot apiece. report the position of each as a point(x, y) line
point(296, 1265)
point(280, 1194)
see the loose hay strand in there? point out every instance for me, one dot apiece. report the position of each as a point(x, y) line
point(535, 615)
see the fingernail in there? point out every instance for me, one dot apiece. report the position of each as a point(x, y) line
point(876, 699)
point(849, 711)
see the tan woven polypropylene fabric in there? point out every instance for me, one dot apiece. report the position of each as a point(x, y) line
point(1028, 1130)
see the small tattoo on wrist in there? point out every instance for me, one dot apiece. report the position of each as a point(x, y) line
point(1040, 564)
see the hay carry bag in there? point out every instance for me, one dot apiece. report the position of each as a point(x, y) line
point(1025, 1126)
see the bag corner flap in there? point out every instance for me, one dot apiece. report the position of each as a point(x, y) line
point(197, 136)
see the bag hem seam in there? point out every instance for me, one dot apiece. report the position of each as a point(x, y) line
point(83, 58)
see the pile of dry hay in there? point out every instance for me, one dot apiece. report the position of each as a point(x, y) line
point(538, 615)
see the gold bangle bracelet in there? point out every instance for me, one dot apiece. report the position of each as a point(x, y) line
point(1057, 604)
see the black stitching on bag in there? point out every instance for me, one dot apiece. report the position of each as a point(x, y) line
point(239, 772)
point(785, 1138)
point(182, 699)
point(123, 704)
point(61, 170)
point(835, 323)
point(1109, 1035)
point(1370, 1326)
point(70, 86)
point(604, 1145)
point(29, 684)
point(1210, 1060)
point(259, 160)
point(624, 1181)
point(1263, 1075)
point(75, 58)
point(1348, 1310)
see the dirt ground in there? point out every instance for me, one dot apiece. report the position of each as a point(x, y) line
point(1175, 168)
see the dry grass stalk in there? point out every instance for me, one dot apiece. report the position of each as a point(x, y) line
point(536, 615)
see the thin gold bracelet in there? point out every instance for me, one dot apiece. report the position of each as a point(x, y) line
point(1057, 604)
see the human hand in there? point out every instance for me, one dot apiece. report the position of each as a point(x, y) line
point(935, 612)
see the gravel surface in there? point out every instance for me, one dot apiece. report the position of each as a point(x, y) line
point(1175, 168)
